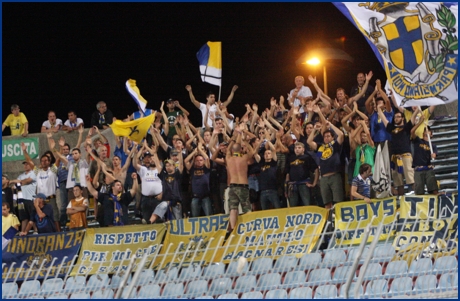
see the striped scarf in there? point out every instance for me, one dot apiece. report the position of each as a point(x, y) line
point(117, 210)
point(397, 163)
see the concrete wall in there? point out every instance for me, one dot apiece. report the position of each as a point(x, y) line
point(14, 168)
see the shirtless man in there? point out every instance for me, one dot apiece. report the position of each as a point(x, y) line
point(237, 172)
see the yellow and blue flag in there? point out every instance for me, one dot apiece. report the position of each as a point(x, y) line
point(210, 58)
point(135, 130)
point(136, 94)
point(417, 44)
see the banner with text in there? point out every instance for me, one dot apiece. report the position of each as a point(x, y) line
point(277, 232)
point(351, 218)
point(12, 151)
point(422, 217)
point(109, 250)
point(53, 252)
point(193, 241)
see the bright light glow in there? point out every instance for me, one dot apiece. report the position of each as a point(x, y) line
point(313, 61)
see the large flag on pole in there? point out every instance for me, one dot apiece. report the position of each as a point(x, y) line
point(381, 180)
point(416, 43)
point(134, 129)
point(136, 94)
point(210, 58)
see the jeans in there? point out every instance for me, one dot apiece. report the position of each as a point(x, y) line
point(301, 192)
point(198, 203)
point(253, 183)
point(64, 201)
point(269, 196)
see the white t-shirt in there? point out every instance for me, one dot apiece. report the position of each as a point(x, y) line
point(46, 180)
point(203, 112)
point(73, 125)
point(85, 202)
point(28, 191)
point(83, 165)
point(303, 92)
point(47, 124)
point(151, 183)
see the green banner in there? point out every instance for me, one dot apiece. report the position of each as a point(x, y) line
point(12, 151)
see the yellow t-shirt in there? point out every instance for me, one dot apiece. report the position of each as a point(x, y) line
point(16, 123)
point(9, 221)
point(426, 114)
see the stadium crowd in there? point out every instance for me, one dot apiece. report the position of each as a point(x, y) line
point(299, 151)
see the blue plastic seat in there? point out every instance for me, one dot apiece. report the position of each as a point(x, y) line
point(301, 293)
point(285, 263)
point(269, 281)
point(197, 288)
point(351, 290)
point(448, 282)
point(221, 286)
point(81, 295)
point(9, 289)
point(353, 253)
point(118, 278)
point(231, 269)
point(149, 291)
point(341, 273)
point(396, 268)
point(384, 252)
point(377, 288)
point(327, 291)
point(103, 294)
point(58, 296)
point(245, 283)
point(204, 297)
point(190, 272)
point(228, 296)
point(276, 294)
point(147, 276)
point(75, 284)
point(98, 282)
point(445, 264)
point(52, 285)
point(173, 290)
point(166, 275)
point(425, 284)
point(132, 295)
point(214, 269)
point(309, 261)
point(334, 257)
point(401, 286)
point(294, 279)
point(261, 265)
point(421, 266)
point(373, 271)
point(252, 295)
point(319, 276)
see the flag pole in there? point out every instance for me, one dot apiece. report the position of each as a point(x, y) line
point(220, 86)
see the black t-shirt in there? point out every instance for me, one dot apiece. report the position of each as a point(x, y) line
point(300, 167)
point(422, 153)
point(221, 169)
point(108, 204)
point(329, 157)
point(400, 138)
point(200, 181)
point(171, 185)
point(267, 179)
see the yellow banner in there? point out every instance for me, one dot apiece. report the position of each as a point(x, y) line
point(273, 233)
point(422, 217)
point(193, 241)
point(108, 250)
point(351, 218)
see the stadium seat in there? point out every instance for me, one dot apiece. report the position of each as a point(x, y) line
point(261, 265)
point(214, 269)
point(377, 288)
point(98, 282)
point(384, 252)
point(191, 272)
point(173, 290)
point(52, 285)
point(396, 268)
point(103, 294)
point(448, 281)
point(117, 279)
point(327, 291)
point(252, 295)
point(231, 269)
point(353, 253)
point(58, 296)
point(401, 286)
point(425, 284)
point(269, 281)
point(319, 276)
point(204, 297)
point(147, 276)
point(285, 263)
point(149, 291)
point(351, 290)
point(295, 278)
point(9, 289)
point(245, 283)
point(124, 294)
point(341, 273)
point(373, 271)
point(221, 286)
point(309, 261)
point(166, 275)
point(420, 267)
point(197, 288)
point(80, 295)
point(445, 264)
point(334, 257)
point(75, 284)
point(228, 296)
point(301, 293)
point(276, 294)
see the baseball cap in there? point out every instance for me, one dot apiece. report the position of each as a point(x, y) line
point(170, 100)
point(224, 143)
point(40, 196)
point(174, 153)
point(170, 162)
point(147, 154)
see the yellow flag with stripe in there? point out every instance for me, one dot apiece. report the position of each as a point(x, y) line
point(135, 130)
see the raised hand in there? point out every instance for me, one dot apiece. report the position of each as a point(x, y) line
point(52, 143)
point(272, 101)
point(176, 103)
point(255, 107)
point(188, 88)
point(49, 135)
point(312, 79)
point(23, 147)
point(62, 141)
point(235, 87)
point(369, 76)
point(162, 105)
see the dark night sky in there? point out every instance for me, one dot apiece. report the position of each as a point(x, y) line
point(64, 56)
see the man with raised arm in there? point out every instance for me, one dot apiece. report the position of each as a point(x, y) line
point(299, 93)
